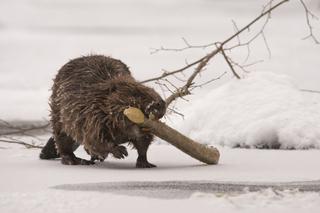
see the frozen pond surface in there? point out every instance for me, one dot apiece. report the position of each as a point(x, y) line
point(184, 189)
point(245, 180)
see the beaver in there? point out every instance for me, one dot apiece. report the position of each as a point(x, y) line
point(89, 95)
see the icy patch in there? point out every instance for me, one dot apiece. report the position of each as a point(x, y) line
point(187, 189)
point(263, 110)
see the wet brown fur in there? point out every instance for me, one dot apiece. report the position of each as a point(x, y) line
point(88, 97)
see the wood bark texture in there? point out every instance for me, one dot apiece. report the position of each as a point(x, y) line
point(203, 153)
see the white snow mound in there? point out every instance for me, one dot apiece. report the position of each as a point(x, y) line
point(263, 110)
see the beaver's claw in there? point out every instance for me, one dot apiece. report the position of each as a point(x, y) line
point(119, 152)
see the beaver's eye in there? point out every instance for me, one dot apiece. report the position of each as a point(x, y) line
point(162, 103)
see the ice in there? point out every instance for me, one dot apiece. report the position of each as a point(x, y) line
point(29, 184)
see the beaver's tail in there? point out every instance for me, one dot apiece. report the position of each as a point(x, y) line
point(49, 151)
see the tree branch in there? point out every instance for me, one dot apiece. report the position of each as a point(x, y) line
point(229, 64)
point(8, 133)
point(165, 74)
point(309, 14)
point(202, 62)
point(27, 145)
point(184, 90)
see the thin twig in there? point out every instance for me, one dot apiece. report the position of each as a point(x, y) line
point(235, 35)
point(23, 131)
point(221, 47)
point(254, 21)
point(176, 112)
point(186, 47)
point(9, 132)
point(184, 90)
point(27, 145)
point(309, 14)
point(166, 73)
point(229, 64)
point(211, 80)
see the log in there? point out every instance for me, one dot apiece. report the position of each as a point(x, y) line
point(203, 153)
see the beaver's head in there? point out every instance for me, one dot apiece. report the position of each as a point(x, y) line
point(148, 101)
point(155, 109)
point(137, 95)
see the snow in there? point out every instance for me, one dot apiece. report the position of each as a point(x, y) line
point(264, 110)
point(38, 36)
point(264, 201)
point(28, 184)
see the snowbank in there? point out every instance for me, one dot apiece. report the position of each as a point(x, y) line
point(264, 110)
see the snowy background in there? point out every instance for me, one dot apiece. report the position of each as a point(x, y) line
point(267, 109)
point(39, 36)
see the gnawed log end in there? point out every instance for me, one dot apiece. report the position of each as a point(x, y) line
point(203, 153)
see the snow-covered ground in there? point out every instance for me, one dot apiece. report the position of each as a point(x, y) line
point(28, 184)
point(38, 36)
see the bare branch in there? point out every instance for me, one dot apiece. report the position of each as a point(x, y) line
point(27, 145)
point(184, 90)
point(266, 44)
point(15, 130)
point(229, 64)
point(164, 85)
point(211, 80)
point(165, 74)
point(235, 35)
point(236, 29)
point(176, 112)
point(253, 38)
point(9, 133)
point(186, 47)
point(309, 14)
point(222, 47)
point(267, 12)
point(161, 87)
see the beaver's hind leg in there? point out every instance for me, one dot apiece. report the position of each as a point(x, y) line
point(142, 145)
point(66, 146)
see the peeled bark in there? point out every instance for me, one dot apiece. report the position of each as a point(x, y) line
point(203, 153)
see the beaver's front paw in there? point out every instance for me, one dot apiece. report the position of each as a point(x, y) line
point(119, 152)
